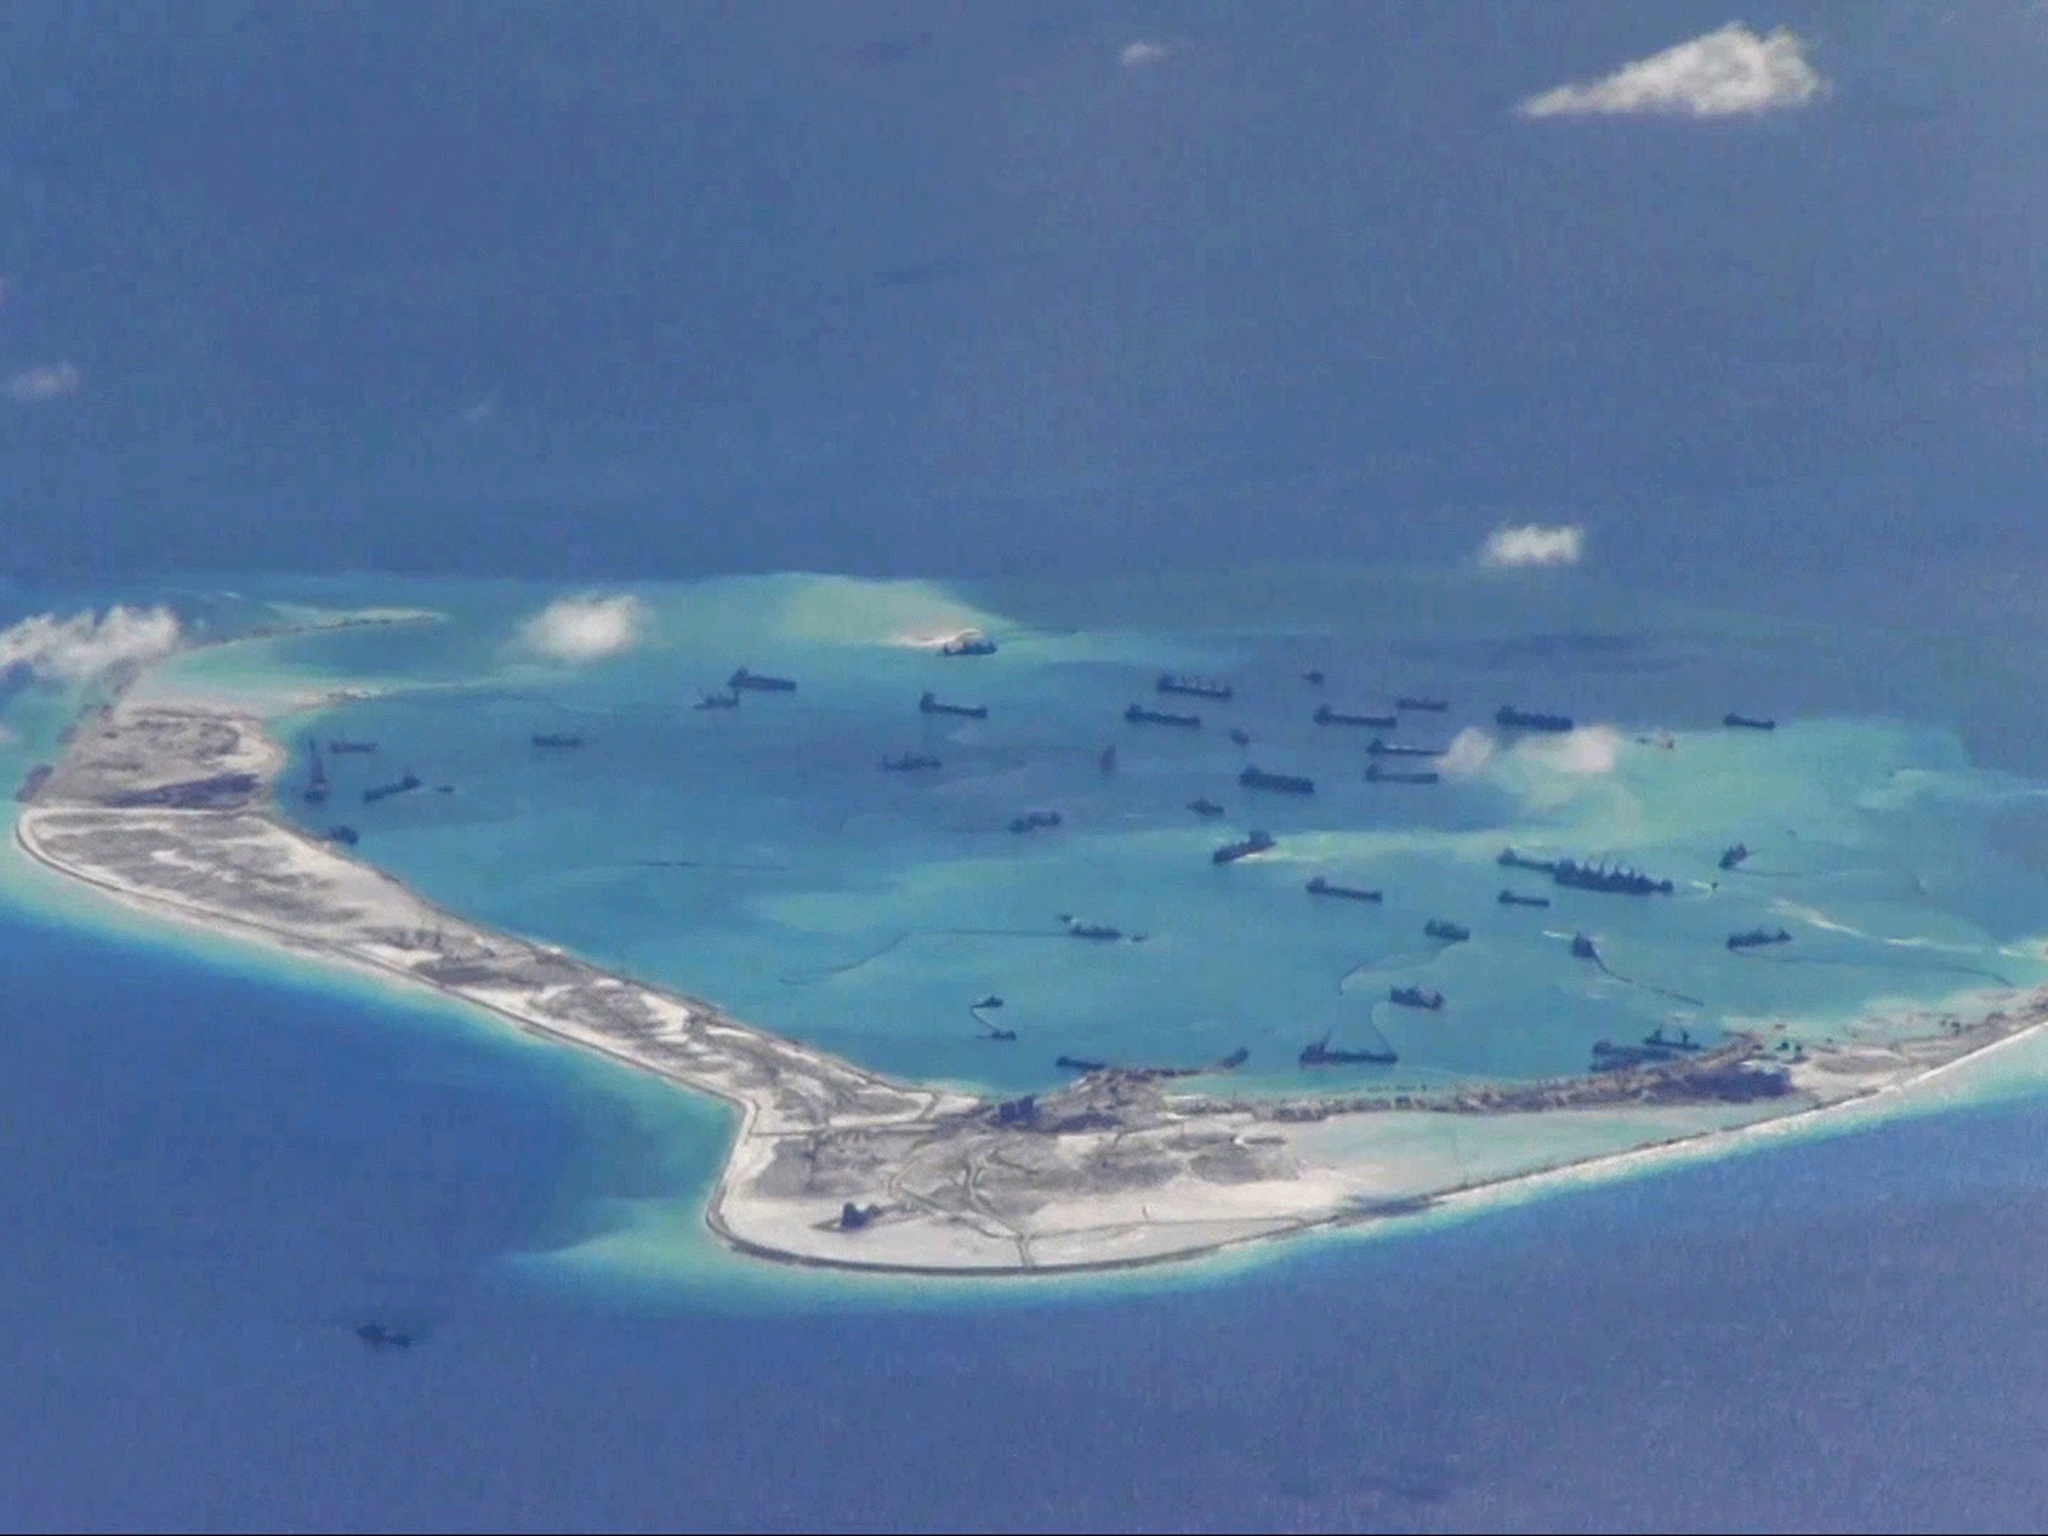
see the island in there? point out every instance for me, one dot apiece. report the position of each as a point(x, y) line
point(167, 806)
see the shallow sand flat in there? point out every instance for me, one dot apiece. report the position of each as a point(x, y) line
point(164, 806)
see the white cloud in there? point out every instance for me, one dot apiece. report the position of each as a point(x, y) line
point(1722, 74)
point(79, 648)
point(51, 381)
point(586, 628)
point(1140, 53)
point(1532, 544)
point(1470, 750)
point(1584, 751)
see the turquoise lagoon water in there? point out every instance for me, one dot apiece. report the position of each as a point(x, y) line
point(760, 858)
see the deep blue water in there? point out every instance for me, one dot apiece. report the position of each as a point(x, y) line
point(211, 1177)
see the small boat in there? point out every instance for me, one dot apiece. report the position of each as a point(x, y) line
point(1449, 932)
point(1204, 806)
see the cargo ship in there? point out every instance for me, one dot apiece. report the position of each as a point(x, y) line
point(1748, 723)
point(1619, 881)
point(1375, 774)
point(756, 683)
point(730, 699)
point(348, 837)
point(1205, 807)
point(1510, 858)
point(1656, 1039)
point(557, 739)
point(970, 643)
point(1380, 747)
point(1517, 899)
point(338, 747)
point(1325, 715)
point(1321, 887)
point(1733, 855)
point(1452, 933)
point(1193, 687)
point(910, 762)
point(397, 787)
point(1032, 821)
point(1244, 848)
point(1757, 937)
point(1138, 714)
point(1284, 783)
point(1426, 706)
point(1320, 1053)
point(1080, 1064)
point(928, 704)
point(1529, 720)
point(1416, 997)
point(1102, 931)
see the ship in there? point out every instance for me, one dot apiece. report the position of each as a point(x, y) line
point(1381, 747)
point(1440, 928)
point(1582, 948)
point(1313, 677)
point(557, 739)
point(316, 779)
point(1234, 1060)
point(1205, 807)
point(351, 746)
point(928, 704)
point(348, 837)
point(992, 1032)
point(1284, 783)
point(1193, 687)
point(396, 787)
point(991, 1001)
point(1756, 937)
point(1245, 847)
point(377, 1336)
point(1427, 706)
point(1733, 855)
point(1517, 899)
point(1103, 931)
point(1375, 774)
point(1747, 722)
point(1032, 821)
point(1609, 1057)
point(1080, 1064)
point(1321, 887)
point(1105, 760)
point(730, 699)
point(1320, 1053)
point(1656, 1039)
point(910, 762)
point(1416, 997)
point(756, 683)
point(1138, 714)
point(1618, 881)
point(1510, 858)
point(1325, 715)
point(1240, 736)
point(1529, 720)
point(970, 643)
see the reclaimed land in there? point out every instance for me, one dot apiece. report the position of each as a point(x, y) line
point(166, 806)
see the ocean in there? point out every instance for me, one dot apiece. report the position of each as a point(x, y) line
point(224, 1161)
